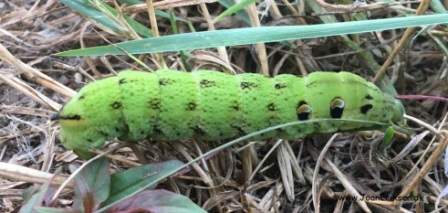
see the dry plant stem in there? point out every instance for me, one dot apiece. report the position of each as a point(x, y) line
point(167, 4)
point(215, 167)
point(302, 67)
point(205, 175)
point(433, 199)
point(436, 132)
point(211, 57)
point(315, 186)
point(222, 197)
point(284, 162)
point(337, 173)
point(422, 97)
point(274, 147)
point(130, 32)
point(34, 74)
point(260, 47)
point(290, 7)
point(275, 12)
point(419, 122)
point(152, 18)
point(433, 130)
point(121, 19)
point(408, 149)
point(88, 59)
point(352, 8)
point(74, 69)
point(154, 28)
point(127, 53)
point(48, 151)
point(107, 64)
point(426, 167)
point(402, 43)
point(247, 163)
point(347, 184)
point(21, 173)
point(297, 171)
point(387, 203)
point(221, 50)
point(271, 199)
point(139, 153)
point(24, 88)
point(279, 64)
point(116, 157)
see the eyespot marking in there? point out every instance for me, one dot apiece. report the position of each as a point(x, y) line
point(337, 108)
point(303, 111)
point(368, 97)
point(366, 108)
point(81, 97)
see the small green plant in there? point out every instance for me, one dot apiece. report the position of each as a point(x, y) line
point(96, 190)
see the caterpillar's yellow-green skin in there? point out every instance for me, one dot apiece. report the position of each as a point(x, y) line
point(170, 105)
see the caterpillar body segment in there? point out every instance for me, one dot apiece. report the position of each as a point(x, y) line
point(209, 105)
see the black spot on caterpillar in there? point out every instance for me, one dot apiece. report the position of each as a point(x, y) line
point(170, 105)
point(366, 108)
point(115, 105)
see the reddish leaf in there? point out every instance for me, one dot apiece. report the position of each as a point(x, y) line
point(156, 201)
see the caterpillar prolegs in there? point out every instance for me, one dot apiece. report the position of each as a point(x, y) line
point(209, 105)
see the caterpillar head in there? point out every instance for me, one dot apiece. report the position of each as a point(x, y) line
point(91, 117)
point(398, 112)
point(392, 110)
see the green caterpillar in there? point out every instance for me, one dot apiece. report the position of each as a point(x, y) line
point(171, 105)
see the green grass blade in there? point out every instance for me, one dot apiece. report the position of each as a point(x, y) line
point(242, 36)
point(90, 12)
point(242, 14)
point(233, 9)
